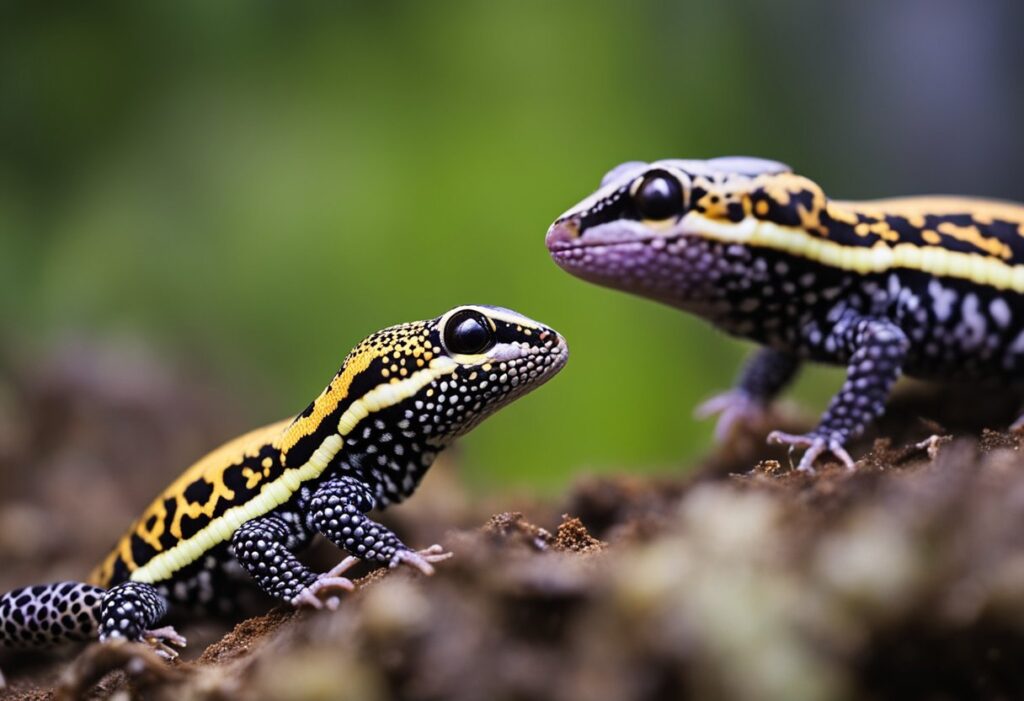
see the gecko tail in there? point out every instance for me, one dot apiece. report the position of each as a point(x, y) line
point(47, 615)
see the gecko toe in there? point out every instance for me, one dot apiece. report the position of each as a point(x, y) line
point(734, 409)
point(420, 560)
point(321, 593)
point(814, 447)
point(162, 639)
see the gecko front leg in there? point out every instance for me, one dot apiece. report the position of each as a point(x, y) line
point(338, 510)
point(876, 349)
point(266, 546)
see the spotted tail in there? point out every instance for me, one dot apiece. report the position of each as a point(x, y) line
point(49, 614)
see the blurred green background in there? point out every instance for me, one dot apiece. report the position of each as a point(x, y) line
point(258, 185)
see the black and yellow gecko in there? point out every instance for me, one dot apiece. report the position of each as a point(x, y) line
point(930, 286)
point(401, 396)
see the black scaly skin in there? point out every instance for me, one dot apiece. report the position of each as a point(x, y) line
point(931, 286)
point(338, 512)
point(401, 397)
point(130, 610)
point(767, 373)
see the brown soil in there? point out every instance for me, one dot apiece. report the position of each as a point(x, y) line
point(741, 580)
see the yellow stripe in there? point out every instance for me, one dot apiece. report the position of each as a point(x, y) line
point(275, 493)
point(879, 258)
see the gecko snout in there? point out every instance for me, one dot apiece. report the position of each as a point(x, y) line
point(562, 232)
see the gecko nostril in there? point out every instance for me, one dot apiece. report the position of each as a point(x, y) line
point(563, 231)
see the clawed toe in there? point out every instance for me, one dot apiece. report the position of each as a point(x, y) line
point(435, 553)
point(319, 594)
point(814, 447)
point(734, 409)
point(715, 405)
point(342, 567)
point(161, 640)
point(167, 635)
point(422, 559)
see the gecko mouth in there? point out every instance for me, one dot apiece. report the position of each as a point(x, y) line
point(602, 253)
point(580, 244)
point(636, 262)
point(565, 237)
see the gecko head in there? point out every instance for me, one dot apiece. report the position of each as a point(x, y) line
point(486, 357)
point(406, 391)
point(641, 231)
point(423, 384)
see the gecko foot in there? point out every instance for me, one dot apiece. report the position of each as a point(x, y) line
point(323, 592)
point(422, 559)
point(328, 582)
point(734, 408)
point(814, 447)
point(161, 640)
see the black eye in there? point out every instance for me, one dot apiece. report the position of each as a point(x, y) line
point(659, 196)
point(468, 332)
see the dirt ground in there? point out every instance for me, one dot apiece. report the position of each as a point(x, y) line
point(738, 579)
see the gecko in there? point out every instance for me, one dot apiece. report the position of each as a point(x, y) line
point(247, 509)
point(927, 286)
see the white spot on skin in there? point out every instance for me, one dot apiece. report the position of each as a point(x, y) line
point(1018, 343)
point(836, 312)
point(1000, 312)
point(973, 321)
point(942, 300)
point(894, 286)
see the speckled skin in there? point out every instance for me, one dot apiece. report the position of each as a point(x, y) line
point(764, 255)
point(42, 616)
point(401, 397)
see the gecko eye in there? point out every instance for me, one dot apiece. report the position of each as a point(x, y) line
point(468, 333)
point(659, 196)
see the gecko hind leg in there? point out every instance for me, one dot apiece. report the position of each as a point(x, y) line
point(48, 615)
point(765, 374)
point(130, 610)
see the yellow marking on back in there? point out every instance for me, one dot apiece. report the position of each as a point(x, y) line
point(210, 468)
point(972, 235)
point(916, 209)
point(163, 565)
point(983, 210)
point(326, 403)
point(981, 269)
